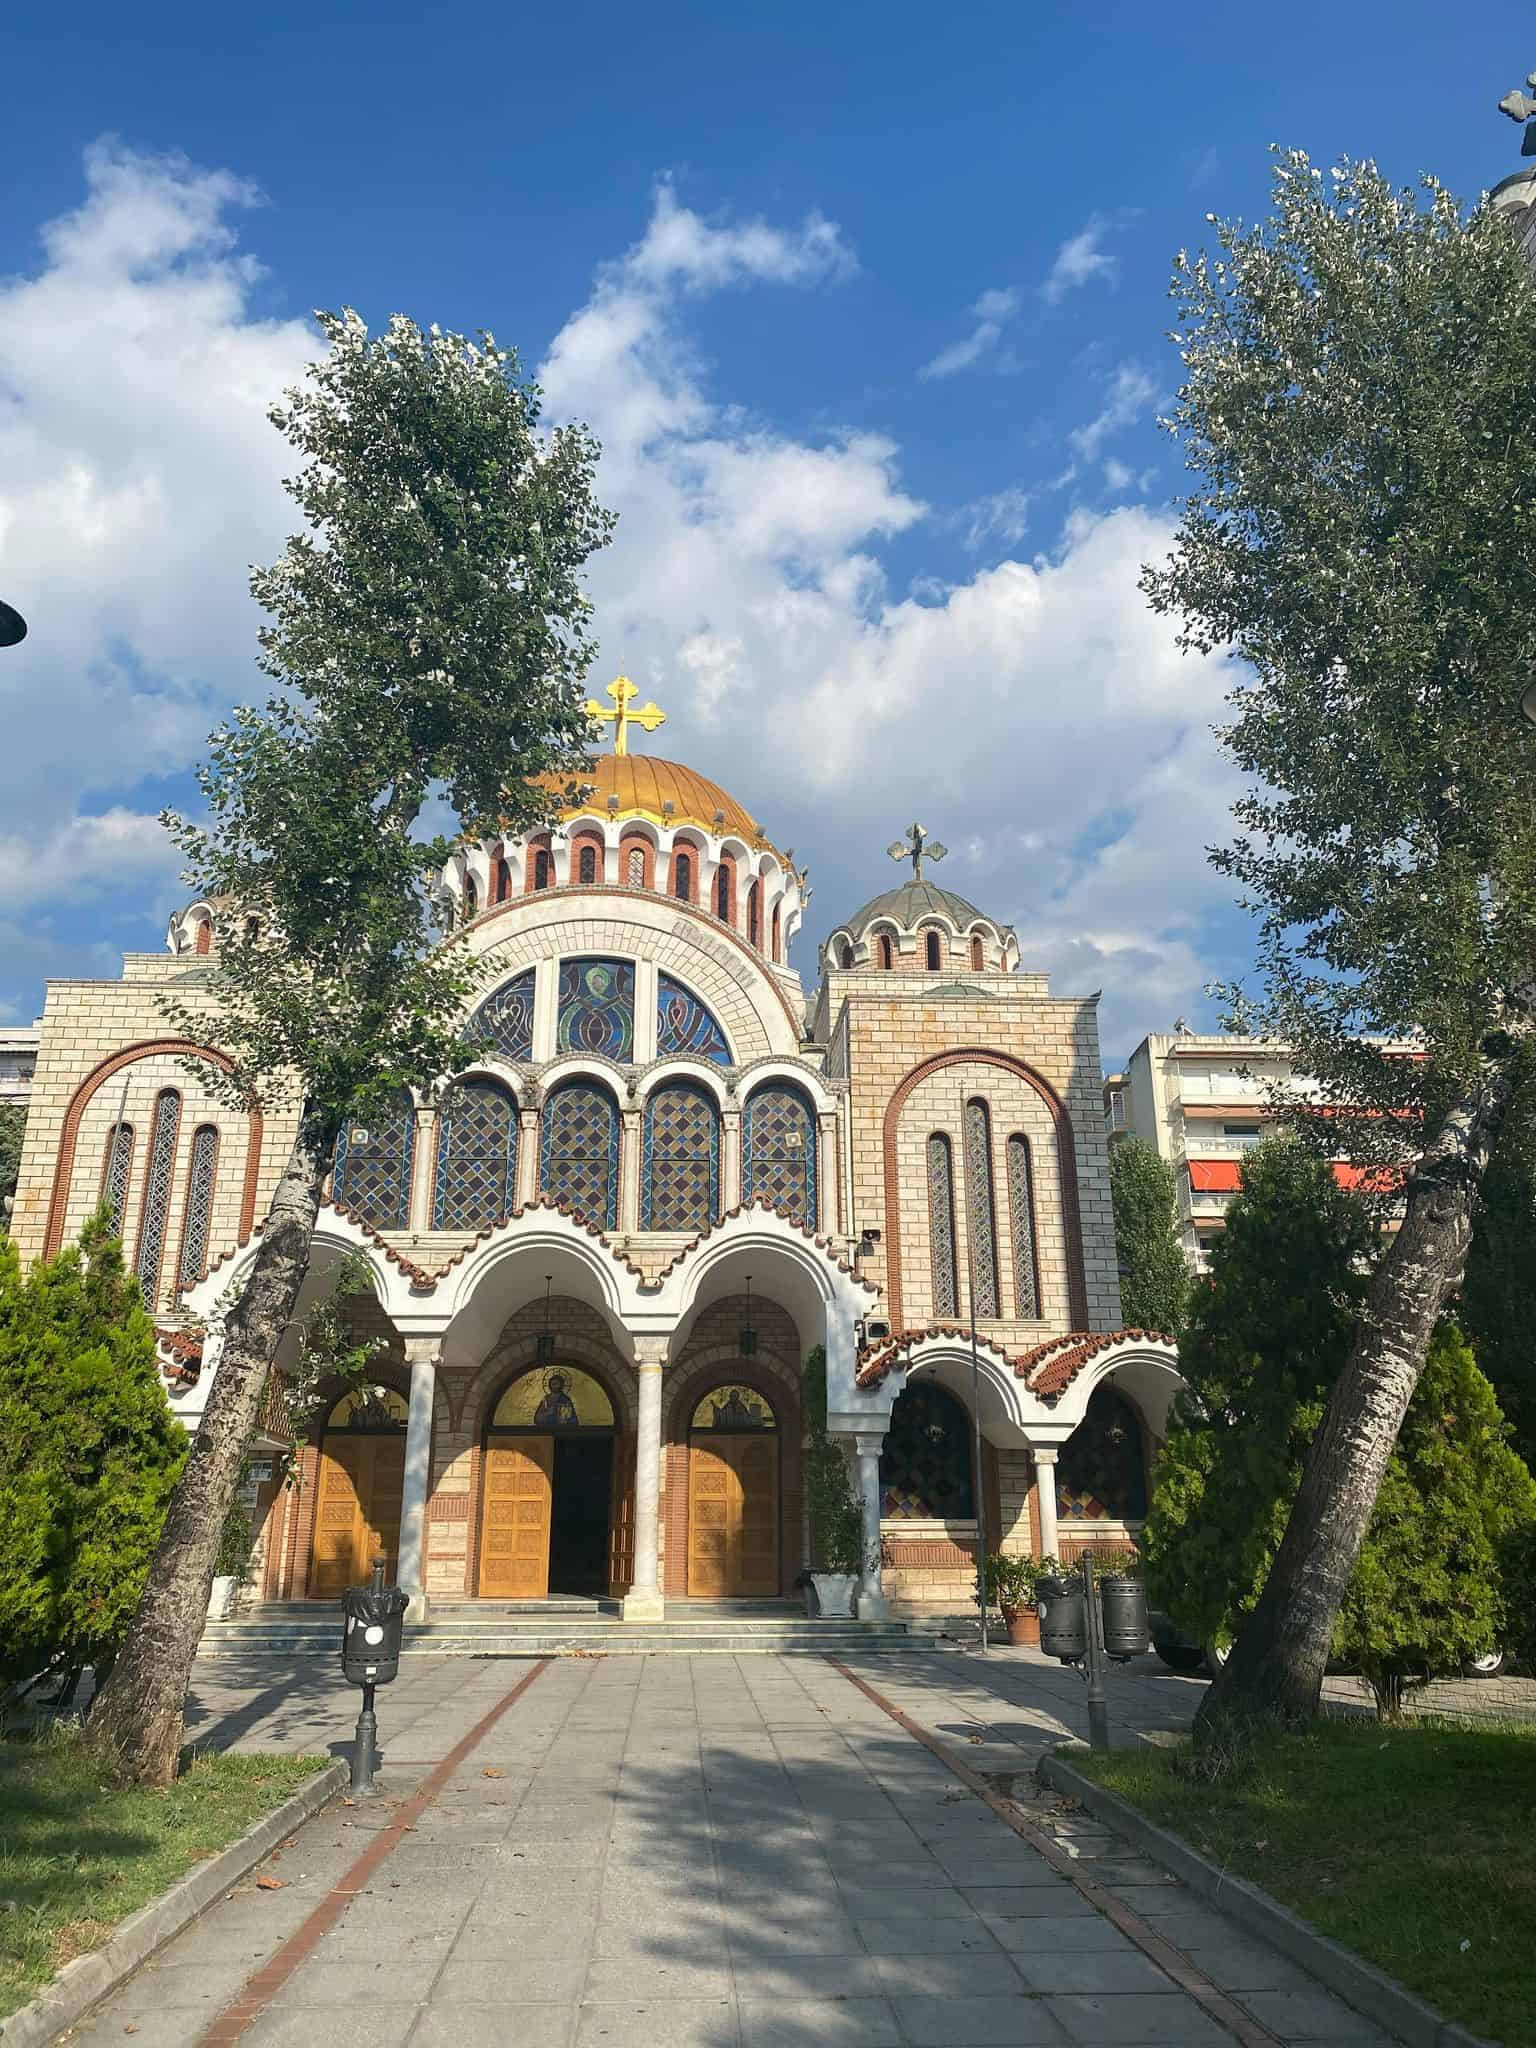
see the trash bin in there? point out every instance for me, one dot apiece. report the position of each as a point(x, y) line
point(1127, 1628)
point(373, 1622)
point(1062, 1633)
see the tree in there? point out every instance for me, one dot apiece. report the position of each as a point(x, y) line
point(89, 1454)
point(13, 1132)
point(1154, 1273)
point(429, 631)
point(1267, 1336)
point(1497, 1307)
point(1358, 370)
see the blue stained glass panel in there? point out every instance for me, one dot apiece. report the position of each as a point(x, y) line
point(504, 1021)
point(680, 1160)
point(683, 1024)
point(372, 1174)
point(778, 1163)
point(475, 1180)
point(579, 1152)
point(597, 1008)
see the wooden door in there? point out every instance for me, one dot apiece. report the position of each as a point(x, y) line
point(357, 1511)
point(733, 1515)
point(621, 1517)
point(514, 1518)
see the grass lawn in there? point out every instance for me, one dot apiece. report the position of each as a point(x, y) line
point(77, 1856)
point(1415, 1846)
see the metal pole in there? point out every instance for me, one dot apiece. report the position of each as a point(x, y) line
point(363, 1745)
point(979, 1485)
point(1093, 1633)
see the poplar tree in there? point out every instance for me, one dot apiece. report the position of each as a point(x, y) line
point(1356, 411)
point(429, 633)
point(1154, 1273)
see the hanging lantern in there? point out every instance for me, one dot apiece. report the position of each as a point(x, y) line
point(544, 1347)
point(746, 1336)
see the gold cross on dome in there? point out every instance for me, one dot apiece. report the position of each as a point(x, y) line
point(623, 693)
point(916, 846)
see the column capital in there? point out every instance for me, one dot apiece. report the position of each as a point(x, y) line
point(1044, 1454)
point(869, 1443)
point(651, 1352)
point(424, 1350)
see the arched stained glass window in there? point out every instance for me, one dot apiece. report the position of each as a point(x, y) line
point(504, 1021)
point(597, 1008)
point(587, 864)
point(157, 1193)
point(681, 1160)
point(195, 1224)
point(683, 1024)
point(682, 877)
point(778, 1163)
point(116, 1168)
point(725, 891)
point(543, 869)
point(579, 1152)
point(925, 1468)
point(372, 1174)
point(1101, 1474)
point(475, 1179)
point(978, 1207)
point(1021, 1217)
point(941, 1225)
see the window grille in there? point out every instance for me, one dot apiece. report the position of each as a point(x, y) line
point(372, 1173)
point(979, 1215)
point(579, 1152)
point(474, 1182)
point(1021, 1211)
point(157, 1193)
point(634, 867)
point(680, 1163)
point(116, 1167)
point(779, 1153)
point(941, 1226)
point(196, 1223)
point(587, 867)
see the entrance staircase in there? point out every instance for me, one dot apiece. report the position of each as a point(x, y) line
point(565, 1627)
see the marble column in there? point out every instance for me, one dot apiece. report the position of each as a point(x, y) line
point(1045, 1498)
point(643, 1601)
point(422, 1354)
point(527, 1182)
point(872, 1602)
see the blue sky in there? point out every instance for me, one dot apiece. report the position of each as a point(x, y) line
point(867, 305)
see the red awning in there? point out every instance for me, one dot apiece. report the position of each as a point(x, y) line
point(1213, 1176)
point(1220, 1177)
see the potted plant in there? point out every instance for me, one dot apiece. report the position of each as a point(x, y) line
point(1012, 1579)
point(833, 1508)
point(230, 1562)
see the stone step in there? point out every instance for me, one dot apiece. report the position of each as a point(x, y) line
point(471, 1632)
point(636, 1640)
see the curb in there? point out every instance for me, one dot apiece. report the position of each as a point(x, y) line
point(1359, 1983)
point(90, 1978)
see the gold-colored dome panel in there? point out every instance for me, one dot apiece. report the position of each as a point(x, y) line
point(644, 787)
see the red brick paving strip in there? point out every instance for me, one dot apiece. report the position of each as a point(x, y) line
point(263, 1987)
point(1241, 2025)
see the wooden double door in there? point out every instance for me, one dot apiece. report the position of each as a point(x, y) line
point(557, 1515)
point(357, 1509)
point(733, 1514)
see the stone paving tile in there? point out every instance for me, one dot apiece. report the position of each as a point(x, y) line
point(452, 2025)
point(978, 2022)
point(695, 2023)
point(1140, 2018)
point(796, 2022)
point(1313, 2015)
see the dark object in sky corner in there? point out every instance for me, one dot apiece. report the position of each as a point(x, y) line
point(13, 627)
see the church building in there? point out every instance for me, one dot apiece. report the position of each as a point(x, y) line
point(602, 1254)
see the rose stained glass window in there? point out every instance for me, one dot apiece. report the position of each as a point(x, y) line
point(681, 1160)
point(683, 1024)
point(778, 1163)
point(475, 1179)
point(925, 1468)
point(504, 1021)
point(372, 1174)
point(579, 1152)
point(597, 1008)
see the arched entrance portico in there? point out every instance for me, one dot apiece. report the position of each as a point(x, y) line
point(552, 1488)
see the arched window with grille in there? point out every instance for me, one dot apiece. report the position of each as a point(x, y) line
point(680, 1165)
point(543, 868)
point(980, 1215)
point(474, 1181)
point(941, 1226)
point(682, 876)
point(978, 958)
point(755, 915)
point(925, 1467)
point(932, 952)
point(372, 1173)
point(116, 1170)
point(197, 1217)
point(634, 867)
point(157, 1193)
point(885, 952)
point(1021, 1219)
point(725, 890)
point(579, 1152)
point(1101, 1474)
point(586, 871)
point(778, 1164)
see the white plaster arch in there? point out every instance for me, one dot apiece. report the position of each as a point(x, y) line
point(1143, 1367)
point(582, 1066)
point(760, 1073)
point(1008, 1410)
point(337, 1233)
point(508, 1266)
point(684, 1067)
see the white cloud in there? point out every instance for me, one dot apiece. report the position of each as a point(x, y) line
point(1001, 515)
point(992, 311)
point(680, 248)
point(1080, 259)
point(1131, 390)
point(95, 854)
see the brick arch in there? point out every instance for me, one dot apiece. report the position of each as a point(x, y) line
point(79, 1102)
point(1066, 1160)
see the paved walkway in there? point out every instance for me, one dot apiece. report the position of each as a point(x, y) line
point(739, 1852)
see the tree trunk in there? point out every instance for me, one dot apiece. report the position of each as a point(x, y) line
point(137, 1718)
point(1275, 1672)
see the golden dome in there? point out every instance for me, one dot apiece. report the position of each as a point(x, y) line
point(644, 786)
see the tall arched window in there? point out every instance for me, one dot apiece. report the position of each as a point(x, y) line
point(755, 915)
point(116, 1169)
point(725, 890)
point(978, 1207)
point(503, 880)
point(1101, 1474)
point(931, 946)
point(195, 1222)
point(844, 953)
point(778, 1164)
point(587, 869)
point(157, 1193)
point(925, 1467)
point(680, 1167)
point(682, 877)
point(885, 953)
point(579, 1152)
point(776, 950)
point(471, 898)
point(504, 1021)
point(634, 867)
point(978, 959)
point(372, 1174)
point(543, 868)
point(475, 1180)
point(204, 935)
point(1021, 1217)
point(941, 1225)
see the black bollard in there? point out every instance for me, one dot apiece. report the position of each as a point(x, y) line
point(1093, 1630)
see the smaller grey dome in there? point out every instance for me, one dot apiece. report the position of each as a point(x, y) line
point(910, 904)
